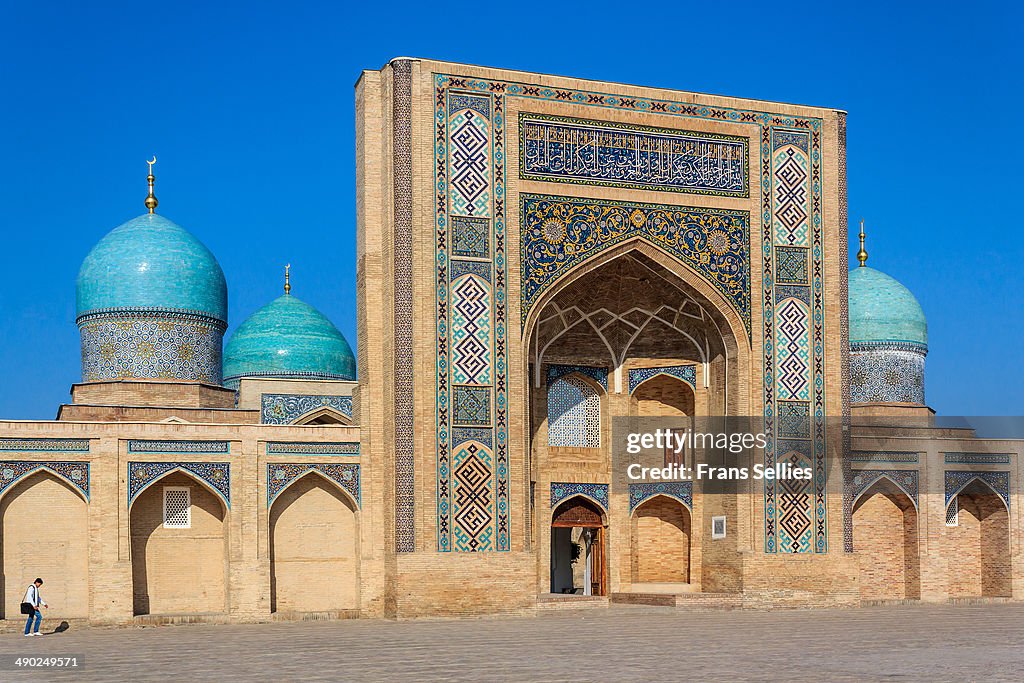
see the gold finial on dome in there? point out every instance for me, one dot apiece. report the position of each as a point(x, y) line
point(151, 201)
point(862, 255)
point(287, 279)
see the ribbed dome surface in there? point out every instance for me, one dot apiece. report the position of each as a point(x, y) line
point(883, 310)
point(288, 338)
point(152, 263)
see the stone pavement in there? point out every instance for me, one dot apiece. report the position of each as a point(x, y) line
point(907, 643)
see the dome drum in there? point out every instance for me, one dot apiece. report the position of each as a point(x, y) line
point(150, 345)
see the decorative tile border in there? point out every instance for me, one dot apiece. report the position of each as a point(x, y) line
point(977, 458)
point(402, 382)
point(905, 480)
point(280, 409)
point(74, 473)
point(313, 448)
point(598, 374)
point(680, 490)
point(148, 446)
point(957, 481)
point(45, 445)
point(568, 150)
point(216, 474)
point(686, 373)
point(473, 510)
point(563, 490)
point(344, 474)
point(884, 456)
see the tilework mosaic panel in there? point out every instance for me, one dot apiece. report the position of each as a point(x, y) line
point(471, 331)
point(794, 420)
point(791, 210)
point(794, 351)
point(151, 345)
point(884, 456)
point(149, 446)
point(564, 490)
point(461, 435)
point(559, 233)
point(402, 382)
point(680, 490)
point(574, 414)
point(472, 364)
point(216, 474)
point(686, 373)
point(74, 473)
point(887, 376)
point(471, 237)
point(792, 265)
point(473, 496)
point(281, 474)
point(906, 480)
point(282, 409)
point(45, 445)
point(567, 150)
point(471, 406)
point(599, 375)
point(977, 458)
point(958, 481)
point(312, 448)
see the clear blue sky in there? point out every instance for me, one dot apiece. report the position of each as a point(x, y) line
point(249, 107)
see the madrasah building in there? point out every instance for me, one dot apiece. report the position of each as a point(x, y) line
point(537, 256)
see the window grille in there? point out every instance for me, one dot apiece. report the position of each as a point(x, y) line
point(574, 414)
point(953, 513)
point(718, 527)
point(177, 507)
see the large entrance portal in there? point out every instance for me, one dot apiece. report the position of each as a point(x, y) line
point(577, 549)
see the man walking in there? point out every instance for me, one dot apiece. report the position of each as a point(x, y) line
point(30, 606)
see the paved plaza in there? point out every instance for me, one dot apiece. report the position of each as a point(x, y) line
point(910, 643)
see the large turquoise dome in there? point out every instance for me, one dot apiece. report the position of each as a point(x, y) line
point(152, 263)
point(152, 305)
point(884, 311)
point(288, 338)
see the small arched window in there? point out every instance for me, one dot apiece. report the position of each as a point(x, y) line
point(574, 414)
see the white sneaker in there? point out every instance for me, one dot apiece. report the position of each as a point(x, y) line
point(27, 635)
point(37, 633)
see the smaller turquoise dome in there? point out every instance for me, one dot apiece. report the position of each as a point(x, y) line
point(152, 263)
point(288, 338)
point(883, 310)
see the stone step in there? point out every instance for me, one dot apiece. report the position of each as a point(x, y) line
point(687, 601)
point(548, 602)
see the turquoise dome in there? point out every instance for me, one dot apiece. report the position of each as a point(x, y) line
point(288, 338)
point(883, 310)
point(152, 263)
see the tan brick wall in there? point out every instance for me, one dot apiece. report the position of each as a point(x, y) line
point(45, 535)
point(178, 570)
point(885, 538)
point(153, 393)
point(980, 545)
point(660, 538)
point(314, 549)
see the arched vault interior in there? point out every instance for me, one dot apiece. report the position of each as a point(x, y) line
point(628, 308)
